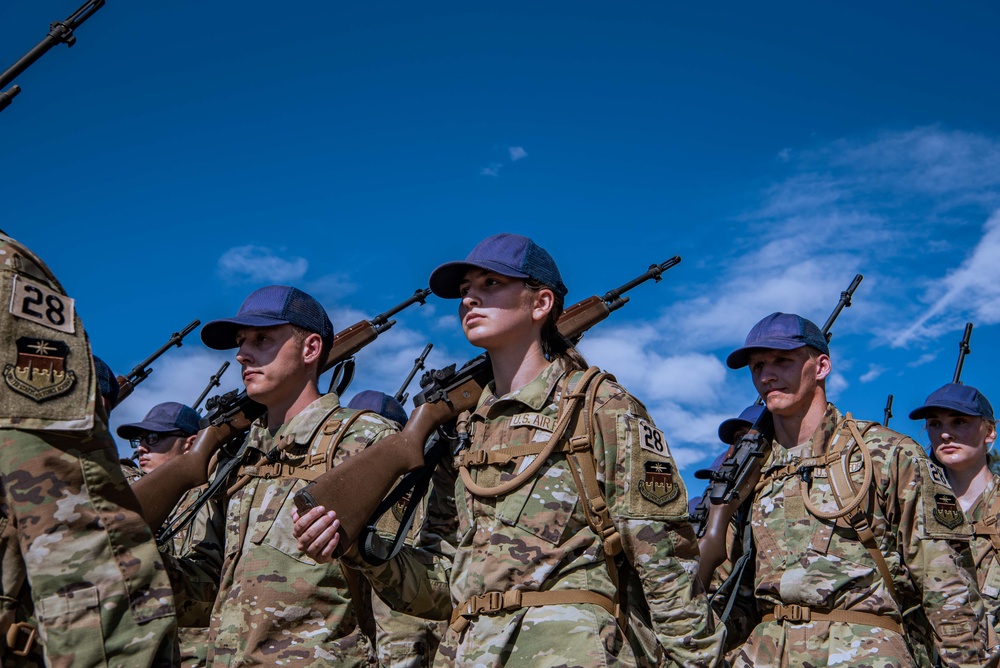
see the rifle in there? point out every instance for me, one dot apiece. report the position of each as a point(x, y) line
point(734, 482)
point(60, 32)
point(231, 417)
point(418, 365)
point(356, 487)
point(887, 411)
point(214, 381)
point(139, 373)
point(963, 350)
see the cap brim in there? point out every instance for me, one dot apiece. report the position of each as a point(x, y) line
point(221, 334)
point(137, 429)
point(446, 279)
point(921, 413)
point(741, 357)
point(728, 429)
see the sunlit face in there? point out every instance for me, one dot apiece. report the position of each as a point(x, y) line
point(274, 368)
point(166, 447)
point(496, 310)
point(788, 379)
point(959, 441)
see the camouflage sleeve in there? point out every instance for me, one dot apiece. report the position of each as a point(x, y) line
point(416, 580)
point(927, 520)
point(648, 503)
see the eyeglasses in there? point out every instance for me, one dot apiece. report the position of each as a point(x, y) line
point(152, 438)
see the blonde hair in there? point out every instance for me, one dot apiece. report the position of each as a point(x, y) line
point(554, 344)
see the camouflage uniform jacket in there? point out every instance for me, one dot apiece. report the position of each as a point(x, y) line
point(987, 556)
point(77, 559)
point(536, 538)
point(276, 605)
point(803, 560)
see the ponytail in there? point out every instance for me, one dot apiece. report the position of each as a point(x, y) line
point(554, 344)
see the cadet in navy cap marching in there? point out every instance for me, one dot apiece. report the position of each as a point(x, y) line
point(276, 605)
point(168, 431)
point(531, 582)
point(81, 582)
point(962, 428)
point(852, 525)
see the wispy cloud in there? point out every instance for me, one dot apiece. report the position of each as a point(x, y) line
point(492, 170)
point(516, 153)
point(260, 264)
point(874, 371)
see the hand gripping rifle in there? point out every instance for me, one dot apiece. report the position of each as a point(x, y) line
point(418, 365)
point(60, 32)
point(356, 487)
point(963, 350)
point(229, 420)
point(139, 373)
point(214, 381)
point(734, 482)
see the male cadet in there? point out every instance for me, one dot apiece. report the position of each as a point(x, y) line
point(168, 431)
point(276, 605)
point(402, 641)
point(79, 570)
point(839, 559)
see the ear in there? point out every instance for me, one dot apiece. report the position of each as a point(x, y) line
point(542, 303)
point(992, 435)
point(312, 346)
point(823, 366)
point(188, 442)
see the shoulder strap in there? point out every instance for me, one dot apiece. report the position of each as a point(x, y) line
point(856, 502)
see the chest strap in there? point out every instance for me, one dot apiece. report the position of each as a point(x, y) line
point(987, 528)
point(803, 614)
point(494, 602)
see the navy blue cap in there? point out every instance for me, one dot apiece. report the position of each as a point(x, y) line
point(162, 418)
point(107, 382)
point(963, 399)
point(779, 331)
point(506, 254)
point(268, 307)
point(381, 403)
point(746, 419)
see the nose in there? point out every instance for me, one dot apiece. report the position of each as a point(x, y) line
point(243, 356)
point(143, 448)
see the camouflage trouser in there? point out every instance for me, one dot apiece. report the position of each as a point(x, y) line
point(99, 592)
point(404, 641)
point(194, 646)
point(823, 644)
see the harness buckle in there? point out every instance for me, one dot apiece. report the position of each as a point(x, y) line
point(21, 638)
point(805, 472)
point(796, 614)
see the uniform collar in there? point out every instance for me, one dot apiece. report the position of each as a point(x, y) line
point(817, 443)
point(535, 395)
point(303, 426)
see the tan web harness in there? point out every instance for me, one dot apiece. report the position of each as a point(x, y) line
point(576, 407)
point(855, 510)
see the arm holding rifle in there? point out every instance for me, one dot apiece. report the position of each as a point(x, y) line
point(160, 490)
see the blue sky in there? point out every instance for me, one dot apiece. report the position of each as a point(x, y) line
point(183, 154)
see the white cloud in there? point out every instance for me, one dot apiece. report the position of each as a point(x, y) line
point(492, 170)
point(926, 358)
point(259, 264)
point(972, 290)
point(874, 371)
point(516, 153)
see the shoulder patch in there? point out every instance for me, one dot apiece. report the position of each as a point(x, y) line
point(653, 487)
point(37, 303)
point(942, 515)
point(536, 420)
point(40, 371)
point(651, 439)
point(658, 483)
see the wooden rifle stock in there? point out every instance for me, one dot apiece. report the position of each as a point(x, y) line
point(356, 487)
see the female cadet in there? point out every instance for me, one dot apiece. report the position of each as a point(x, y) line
point(531, 582)
point(961, 427)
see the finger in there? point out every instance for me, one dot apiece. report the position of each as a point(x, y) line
point(302, 523)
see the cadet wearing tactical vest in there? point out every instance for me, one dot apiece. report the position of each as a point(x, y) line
point(401, 640)
point(961, 427)
point(69, 525)
point(168, 431)
point(554, 450)
point(851, 523)
point(275, 605)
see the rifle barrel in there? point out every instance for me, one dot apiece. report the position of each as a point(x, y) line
point(845, 301)
point(613, 298)
point(888, 411)
point(214, 381)
point(418, 364)
point(381, 322)
point(963, 350)
point(139, 371)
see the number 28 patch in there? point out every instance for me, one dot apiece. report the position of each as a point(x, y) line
point(37, 303)
point(651, 439)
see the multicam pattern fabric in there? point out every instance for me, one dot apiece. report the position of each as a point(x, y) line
point(76, 559)
point(536, 538)
point(986, 555)
point(276, 605)
point(98, 591)
point(807, 561)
